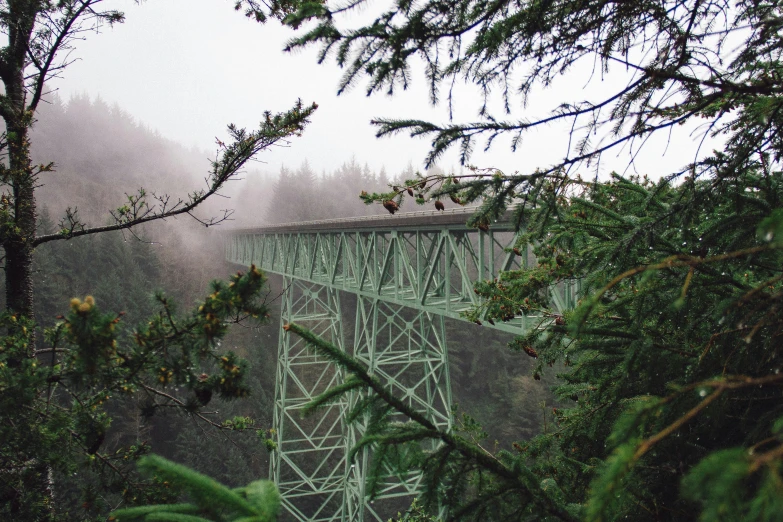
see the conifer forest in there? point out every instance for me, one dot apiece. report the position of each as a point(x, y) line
point(138, 366)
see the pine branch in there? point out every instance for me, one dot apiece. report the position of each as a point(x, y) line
point(141, 512)
point(333, 394)
point(245, 146)
point(257, 502)
point(675, 261)
point(529, 488)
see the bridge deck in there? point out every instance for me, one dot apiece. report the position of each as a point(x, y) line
point(421, 220)
point(429, 261)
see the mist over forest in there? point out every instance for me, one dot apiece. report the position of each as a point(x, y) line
point(100, 152)
point(621, 174)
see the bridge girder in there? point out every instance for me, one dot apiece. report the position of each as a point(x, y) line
point(428, 267)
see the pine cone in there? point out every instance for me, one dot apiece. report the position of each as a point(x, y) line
point(203, 394)
point(439, 205)
point(391, 206)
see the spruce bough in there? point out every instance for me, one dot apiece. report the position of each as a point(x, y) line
point(672, 359)
point(671, 362)
point(58, 407)
point(257, 502)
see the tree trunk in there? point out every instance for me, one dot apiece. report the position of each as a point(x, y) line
point(19, 232)
point(33, 483)
point(36, 478)
point(19, 244)
point(19, 273)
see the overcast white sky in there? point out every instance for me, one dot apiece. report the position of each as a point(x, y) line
point(189, 67)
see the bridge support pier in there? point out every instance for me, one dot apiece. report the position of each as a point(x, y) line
point(404, 347)
point(309, 464)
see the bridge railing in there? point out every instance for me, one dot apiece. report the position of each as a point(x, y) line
point(450, 216)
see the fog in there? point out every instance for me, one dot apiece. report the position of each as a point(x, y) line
point(188, 71)
point(143, 107)
point(101, 152)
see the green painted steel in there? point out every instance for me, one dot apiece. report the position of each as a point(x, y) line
point(310, 465)
point(407, 274)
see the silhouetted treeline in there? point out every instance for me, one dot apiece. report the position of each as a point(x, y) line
point(101, 152)
point(301, 195)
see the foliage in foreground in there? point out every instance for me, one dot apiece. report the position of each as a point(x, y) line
point(51, 412)
point(672, 360)
point(58, 406)
point(211, 501)
point(673, 357)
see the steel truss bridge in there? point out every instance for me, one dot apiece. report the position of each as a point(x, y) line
point(399, 276)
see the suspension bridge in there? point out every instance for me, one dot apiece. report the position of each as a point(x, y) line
point(400, 276)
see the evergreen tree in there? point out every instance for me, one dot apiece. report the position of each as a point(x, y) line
point(123, 273)
point(305, 183)
point(281, 207)
point(54, 385)
point(257, 502)
point(65, 397)
point(117, 272)
point(302, 196)
point(383, 178)
point(672, 359)
point(39, 36)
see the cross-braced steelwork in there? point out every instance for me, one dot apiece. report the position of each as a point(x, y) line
point(309, 466)
point(406, 348)
point(407, 272)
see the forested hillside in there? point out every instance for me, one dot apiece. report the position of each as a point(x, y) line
point(99, 152)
